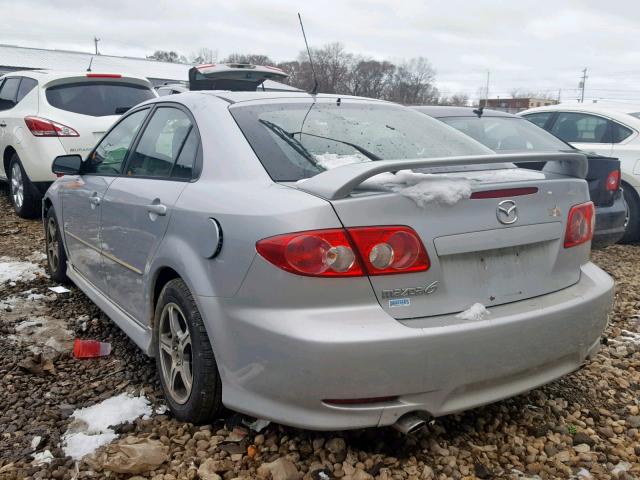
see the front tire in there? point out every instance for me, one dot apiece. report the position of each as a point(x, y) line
point(632, 232)
point(56, 254)
point(184, 357)
point(24, 196)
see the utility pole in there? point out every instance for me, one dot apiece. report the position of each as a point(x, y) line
point(95, 42)
point(559, 94)
point(486, 102)
point(582, 84)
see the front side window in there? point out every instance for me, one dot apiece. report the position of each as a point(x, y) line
point(540, 119)
point(112, 150)
point(160, 144)
point(97, 99)
point(507, 134)
point(9, 92)
point(298, 140)
point(581, 128)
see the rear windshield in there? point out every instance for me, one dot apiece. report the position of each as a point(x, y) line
point(507, 134)
point(97, 99)
point(299, 140)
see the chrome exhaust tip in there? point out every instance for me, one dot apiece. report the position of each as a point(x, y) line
point(409, 423)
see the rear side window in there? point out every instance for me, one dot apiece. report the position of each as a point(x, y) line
point(161, 144)
point(112, 150)
point(97, 99)
point(26, 85)
point(620, 132)
point(540, 119)
point(8, 93)
point(581, 128)
point(183, 168)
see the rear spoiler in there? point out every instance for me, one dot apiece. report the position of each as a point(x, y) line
point(339, 182)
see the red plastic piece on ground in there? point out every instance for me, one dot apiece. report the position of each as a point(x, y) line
point(90, 348)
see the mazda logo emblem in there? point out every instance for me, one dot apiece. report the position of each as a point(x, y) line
point(507, 212)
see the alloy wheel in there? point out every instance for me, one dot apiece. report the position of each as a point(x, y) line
point(17, 185)
point(52, 244)
point(175, 353)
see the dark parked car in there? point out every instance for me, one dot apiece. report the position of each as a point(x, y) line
point(507, 133)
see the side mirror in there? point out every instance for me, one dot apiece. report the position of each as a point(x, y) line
point(67, 165)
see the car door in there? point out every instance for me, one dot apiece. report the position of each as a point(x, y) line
point(82, 196)
point(8, 95)
point(137, 206)
point(585, 131)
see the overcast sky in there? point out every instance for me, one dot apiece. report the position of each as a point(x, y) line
point(539, 45)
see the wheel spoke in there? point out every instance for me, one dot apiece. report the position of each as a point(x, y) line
point(165, 343)
point(186, 376)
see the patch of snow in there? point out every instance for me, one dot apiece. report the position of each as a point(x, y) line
point(583, 474)
point(35, 441)
point(14, 270)
point(423, 188)
point(334, 160)
point(59, 289)
point(37, 257)
point(42, 457)
point(91, 426)
point(26, 324)
point(475, 312)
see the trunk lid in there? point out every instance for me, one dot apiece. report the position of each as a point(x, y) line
point(239, 77)
point(477, 254)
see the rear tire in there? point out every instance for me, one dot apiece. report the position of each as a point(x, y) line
point(26, 200)
point(184, 357)
point(632, 232)
point(56, 254)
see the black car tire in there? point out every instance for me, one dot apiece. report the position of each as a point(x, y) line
point(56, 254)
point(632, 232)
point(29, 204)
point(204, 401)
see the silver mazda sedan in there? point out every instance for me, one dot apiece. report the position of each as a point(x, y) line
point(326, 261)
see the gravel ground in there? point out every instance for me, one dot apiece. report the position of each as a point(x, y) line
point(586, 425)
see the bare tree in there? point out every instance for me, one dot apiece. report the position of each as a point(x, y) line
point(413, 83)
point(458, 100)
point(523, 93)
point(371, 78)
point(168, 56)
point(204, 55)
point(252, 58)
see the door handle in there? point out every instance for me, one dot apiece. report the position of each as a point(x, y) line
point(157, 208)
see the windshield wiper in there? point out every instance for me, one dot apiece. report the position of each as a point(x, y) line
point(362, 150)
point(292, 142)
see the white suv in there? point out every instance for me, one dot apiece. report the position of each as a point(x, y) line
point(44, 114)
point(611, 130)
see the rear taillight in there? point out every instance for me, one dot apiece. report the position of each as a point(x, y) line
point(580, 225)
point(388, 250)
point(41, 127)
point(317, 253)
point(352, 252)
point(613, 181)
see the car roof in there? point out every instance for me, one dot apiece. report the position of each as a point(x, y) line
point(440, 111)
point(600, 107)
point(49, 75)
point(235, 97)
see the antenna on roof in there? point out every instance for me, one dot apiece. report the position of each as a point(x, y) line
point(90, 62)
point(479, 111)
point(313, 71)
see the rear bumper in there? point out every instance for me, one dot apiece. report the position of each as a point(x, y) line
point(281, 363)
point(610, 223)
